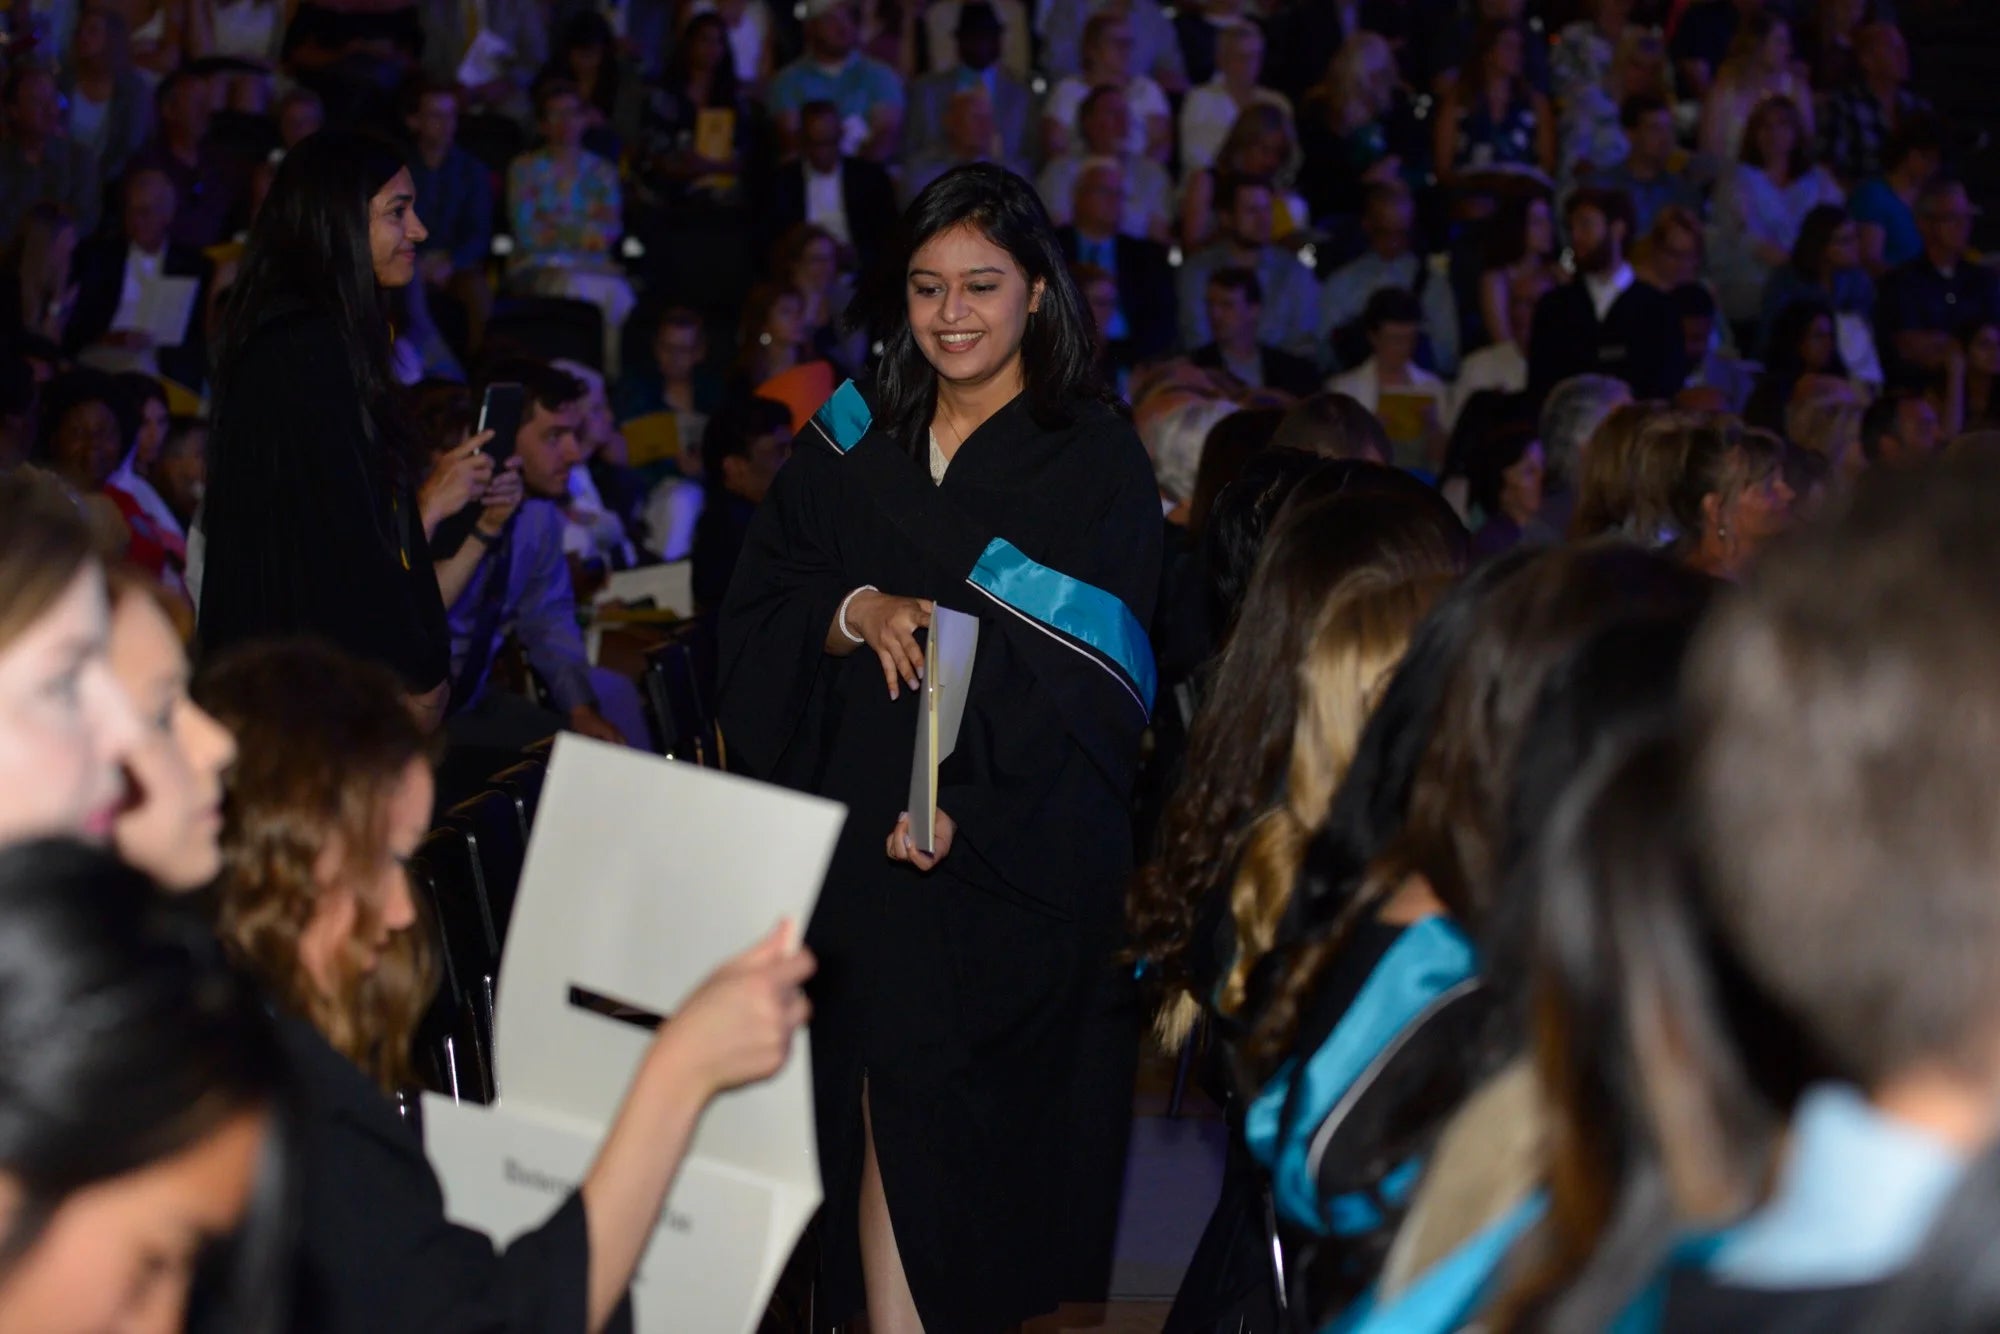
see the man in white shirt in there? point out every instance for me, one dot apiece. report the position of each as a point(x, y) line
point(1107, 60)
point(1211, 110)
point(1388, 218)
point(1388, 382)
point(119, 279)
point(1499, 366)
point(1106, 118)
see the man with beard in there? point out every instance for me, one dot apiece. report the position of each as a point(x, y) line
point(1605, 321)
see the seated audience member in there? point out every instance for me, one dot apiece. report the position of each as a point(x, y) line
point(1107, 61)
point(1862, 117)
point(179, 473)
point(1825, 266)
point(1520, 250)
point(512, 579)
point(1099, 291)
point(1143, 323)
point(329, 798)
point(968, 137)
point(1727, 495)
point(1503, 366)
point(1105, 115)
point(79, 440)
point(773, 358)
point(1604, 321)
point(1331, 425)
point(1900, 430)
point(943, 19)
point(1490, 116)
point(1717, 373)
point(1262, 143)
point(1586, 47)
point(38, 162)
point(455, 201)
point(1978, 402)
point(1885, 205)
point(1652, 174)
point(1211, 109)
point(1567, 428)
point(1762, 204)
point(116, 277)
point(1921, 302)
point(159, 535)
point(1759, 68)
point(1291, 298)
point(850, 196)
point(866, 95)
point(742, 451)
point(1829, 427)
point(1595, 134)
point(1394, 324)
point(1388, 219)
point(587, 53)
point(1606, 489)
point(1156, 48)
point(808, 257)
point(1886, 612)
point(678, 381)
point(972, 60)
point(567, 216)
point(110, 101)
point(604, 494)
point(211, 190)
point(669, 168)
point(1503, 470)
point(1199, 30)
point(1803, 344)
point(1235, 308)
point(1357, 128)
point(37, 294)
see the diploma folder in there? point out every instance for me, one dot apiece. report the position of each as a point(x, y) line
point(953, 641)
point(643, 875)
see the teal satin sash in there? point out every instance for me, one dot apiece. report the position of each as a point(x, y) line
point(1448, 1293)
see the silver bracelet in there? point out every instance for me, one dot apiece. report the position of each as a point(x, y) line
point(841, 620)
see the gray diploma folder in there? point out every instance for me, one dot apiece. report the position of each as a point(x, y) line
point(954, 640)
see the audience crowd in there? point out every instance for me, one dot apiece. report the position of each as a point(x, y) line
point(1576, 428)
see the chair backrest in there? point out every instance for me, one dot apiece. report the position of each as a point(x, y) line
point(523, 785)
point(443, 876)
point(490, 826)
point(674, 696)
point(452, 1053)
point(554, 328)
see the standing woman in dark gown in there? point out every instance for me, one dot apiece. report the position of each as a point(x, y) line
point(311, 517)
point(985, 470)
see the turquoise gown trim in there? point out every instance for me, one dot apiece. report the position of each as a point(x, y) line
point(1430, 958)
point(1448, 1293)
point(1085, 613)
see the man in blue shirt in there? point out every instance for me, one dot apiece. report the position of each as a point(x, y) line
point(455, 201)
point(1388, 218)
point(867, 93)
point(1291, 296)
point(1647, 173)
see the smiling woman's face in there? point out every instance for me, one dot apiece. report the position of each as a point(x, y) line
point(394, 231)
point(969, 304)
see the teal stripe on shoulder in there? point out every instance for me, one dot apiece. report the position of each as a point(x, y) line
point(1082, 611)
point(844, 418)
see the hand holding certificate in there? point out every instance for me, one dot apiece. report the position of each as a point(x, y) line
point(954, 642)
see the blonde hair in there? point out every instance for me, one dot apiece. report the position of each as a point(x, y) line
point(1347, 77)
point(1358, 646)
point(1605, 482)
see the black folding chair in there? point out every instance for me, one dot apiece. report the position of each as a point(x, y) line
point(489, 826)
point(523, 785)
point(444, 878)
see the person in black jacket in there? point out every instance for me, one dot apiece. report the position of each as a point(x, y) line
point(866, 216)
point(102, 325)
point(331, 759)
point(741, 452)
point(1144, 325)
point(1235, 305)
point(1606, 321)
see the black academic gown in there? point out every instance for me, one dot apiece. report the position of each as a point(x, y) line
point(960, 993)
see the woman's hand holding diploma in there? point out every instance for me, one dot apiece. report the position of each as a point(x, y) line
point(903, 847)
point(889, 626)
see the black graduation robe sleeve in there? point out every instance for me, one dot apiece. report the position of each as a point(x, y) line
point(376, 1251)
point(303, 535)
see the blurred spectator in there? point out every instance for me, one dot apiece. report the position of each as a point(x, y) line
point(110, 102)
point(1570, 416)
point(159, 537)
point(1827, 31)
point(1199, 28)
point(1703, 37)
point(1978, 405)
point(603, 492)
point(1357, 128)
point(455, 201)
point(1503, 365)
point(1595, 133)
point(211, 192)
point(300, 112)
point(1653, 173)
point(493, 49)
point(1388, 218)
point(1759, 68)
point(78, 440)
point(1450, 32)
point(1585, 49)
point(1106, 118)
point(867, 95)
point(741, 455)
point(180, 472)
point(670, 168)
point(1107, 61)
point(1504, 470)
point(1291, 299)
point(1802, 344)
point(611, 95)
point(1761, 205)
point(567, 216)
point(1156, 48)
point(752, 43)
point(38, 164)
point(1394, 323)
point(1900, 430)
point(1604, 321)
point(1861, 117)
point(1886, 205)
point(166, 34)
point(1099, 291)
point(1725, 380)
point(851, 197)
point(682, 384)
point(1211, 109)
point(1825, 265)
point(773, 359)
point(943, 20)
point(1142, 320)
point(37, 276)
point(1729, 499)
point(1921, 302)
point(352, 51)
point(1491, 116)
point(1307, 38)
point(116, 276)
point(1520, 251)
point(808, 258)
point(1262, 143)
point(969, 136)
point(975, 63)
point(1235, 309)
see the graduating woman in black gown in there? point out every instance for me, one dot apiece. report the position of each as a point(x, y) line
point(987, 471)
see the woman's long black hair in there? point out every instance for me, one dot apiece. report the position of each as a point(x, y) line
point(124, 1040)
point(1057, 365)
point(309, 249)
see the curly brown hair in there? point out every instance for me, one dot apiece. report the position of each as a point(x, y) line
point(323, 739)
